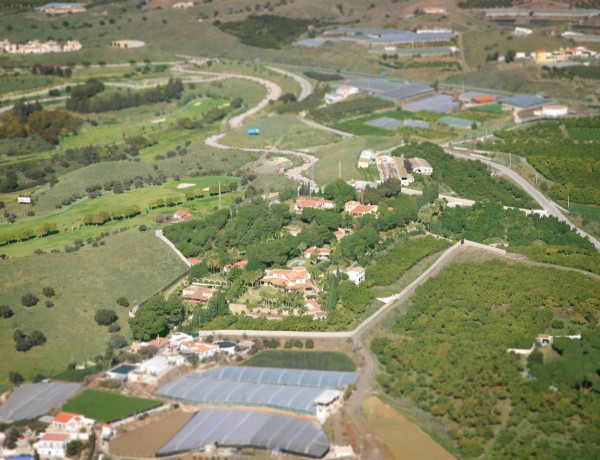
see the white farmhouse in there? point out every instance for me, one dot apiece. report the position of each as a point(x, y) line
point(366, 159)
point(52, 445)
point(356, 274)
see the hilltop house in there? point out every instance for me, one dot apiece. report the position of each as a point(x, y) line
point(78, 426)
point(197, 294)
point(358, 210)
point(321, 253)
point(181, 215)
point(53, 445)
point(298, 278)
point(312, 202)
point(356, 274)
point(366, 158)
point(202, 349)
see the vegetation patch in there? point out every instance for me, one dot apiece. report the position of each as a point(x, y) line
point(105, 406)
point(455, 364)
point(313, 360)
point(469, 179)
point(540, 238)
point(266, 31)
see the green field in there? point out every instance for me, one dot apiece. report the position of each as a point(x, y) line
point(105, 406)
point(131, 264)
point(347, 151)
point(279, 131)
point(70, 220)
point(77, 375)
point(294, 359)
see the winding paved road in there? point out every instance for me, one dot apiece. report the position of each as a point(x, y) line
point(546, 204)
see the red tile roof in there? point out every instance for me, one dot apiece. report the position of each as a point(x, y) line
point(65, 417)
point(55, 437)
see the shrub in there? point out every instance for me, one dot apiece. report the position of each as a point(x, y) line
point(123, 301)
point(309, 344)
point(6, 311)
point(49, 292)
point(105, 317)
point(29, 300)
point(49, 304)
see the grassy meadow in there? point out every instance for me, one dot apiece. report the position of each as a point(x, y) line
point(130, 264)
point(279, 131)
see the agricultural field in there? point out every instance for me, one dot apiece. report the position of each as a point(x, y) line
point(461, 342)
point(400, 437)
point(145, 440)
point(122, 265)
point(106, 406)
point(571, 164)
point(294, 359)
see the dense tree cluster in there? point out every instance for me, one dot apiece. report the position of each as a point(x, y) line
point(469, 179)
point(456, 367)
point(25, 342)
point(105, 317)
point(266, 31)
point(49, 69)
point(391, 264)
point(27, 119)
point(571, 163)
point(153, 317)
point(541, 238)
point(84, 98)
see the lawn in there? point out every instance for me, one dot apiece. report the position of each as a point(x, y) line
point(131, 264)
point(294, 359)
point(105, 406)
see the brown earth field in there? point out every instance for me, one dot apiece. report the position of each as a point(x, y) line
point(398, 436)
point(144, 441)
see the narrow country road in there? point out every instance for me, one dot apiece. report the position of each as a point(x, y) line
point(306, 88)
point(546, 204)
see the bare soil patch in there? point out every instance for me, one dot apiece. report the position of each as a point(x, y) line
point(146, 439)
point(398, 436)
